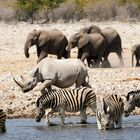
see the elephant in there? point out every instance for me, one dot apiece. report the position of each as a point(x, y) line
point(90, 46)
point(61, 73)
point(90, 29)
point(47, 42)
point(135, 51)
point(112, 37)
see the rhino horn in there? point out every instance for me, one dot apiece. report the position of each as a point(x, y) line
point(18, 82)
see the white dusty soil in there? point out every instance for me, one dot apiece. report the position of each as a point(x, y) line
point(13, 63)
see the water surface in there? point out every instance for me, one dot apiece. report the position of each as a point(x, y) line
point(29, 129)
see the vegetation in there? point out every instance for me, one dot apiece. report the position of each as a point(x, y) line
point(66, 10)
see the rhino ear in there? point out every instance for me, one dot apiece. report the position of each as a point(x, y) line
point(22, 78)
point(107, 109)
point(36, 72)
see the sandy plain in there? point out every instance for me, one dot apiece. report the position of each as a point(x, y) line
point(13, 63)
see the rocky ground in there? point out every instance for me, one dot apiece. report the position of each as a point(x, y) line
point(13, 63)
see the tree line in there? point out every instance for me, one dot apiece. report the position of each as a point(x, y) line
point(70, 10)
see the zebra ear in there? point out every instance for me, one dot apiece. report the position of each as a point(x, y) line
point(127, 97)
point(124, 98)
point(104, 106)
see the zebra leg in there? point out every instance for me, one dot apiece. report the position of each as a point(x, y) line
point(83, 116)
point(4, 128)
point(118, 123)
point(47, 113)
point(62, 111)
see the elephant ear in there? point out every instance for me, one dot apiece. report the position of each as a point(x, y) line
point(83, 40)
point(43, 39)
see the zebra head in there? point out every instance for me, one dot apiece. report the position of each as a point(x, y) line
point(129, 104)
point(40, 110)
point(103, 114)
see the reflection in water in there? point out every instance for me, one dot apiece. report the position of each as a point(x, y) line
point(29, 129)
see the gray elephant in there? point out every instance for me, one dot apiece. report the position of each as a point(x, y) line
point(47, 42)
point(135, 51)
point(112, 37)
point(90, 29)
point(62, 73)
point(90, 46)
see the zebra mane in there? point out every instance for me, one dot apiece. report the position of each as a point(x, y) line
point(47, 93)
point(37, 103)
point(131, 93)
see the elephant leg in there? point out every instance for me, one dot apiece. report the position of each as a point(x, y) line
point(120, 58)
point(106, 62)
point(137, 61)
point(79, 54)
point(42, 55)
point(84, 56)
point(89, 62)
point(60, 53)
point(66, 54)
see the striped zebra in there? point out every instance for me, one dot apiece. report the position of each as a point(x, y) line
point(70, 100)
point(2, 120)
point(109, 111)
point(131, 101)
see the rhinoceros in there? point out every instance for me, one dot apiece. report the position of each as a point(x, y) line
point(61, 73)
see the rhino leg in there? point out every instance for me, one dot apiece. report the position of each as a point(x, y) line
point(46, 84)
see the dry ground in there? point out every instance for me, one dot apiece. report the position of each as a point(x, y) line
point(13, 63)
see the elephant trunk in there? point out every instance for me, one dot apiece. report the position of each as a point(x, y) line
point(26, 49)
point(18, 82)
point(69, 47)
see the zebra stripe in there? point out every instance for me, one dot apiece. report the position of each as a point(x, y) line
point(109, 111)
point(132, 101)
point(61, 100)
point(2, 120)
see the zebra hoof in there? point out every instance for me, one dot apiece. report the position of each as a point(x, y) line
point(51, 124)
point(38, 120)
point(3, 129)
point(83, 122)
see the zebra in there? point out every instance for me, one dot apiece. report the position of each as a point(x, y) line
point(2, 121)
point(70, 100)
point(109, 111)
point(131, 101)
